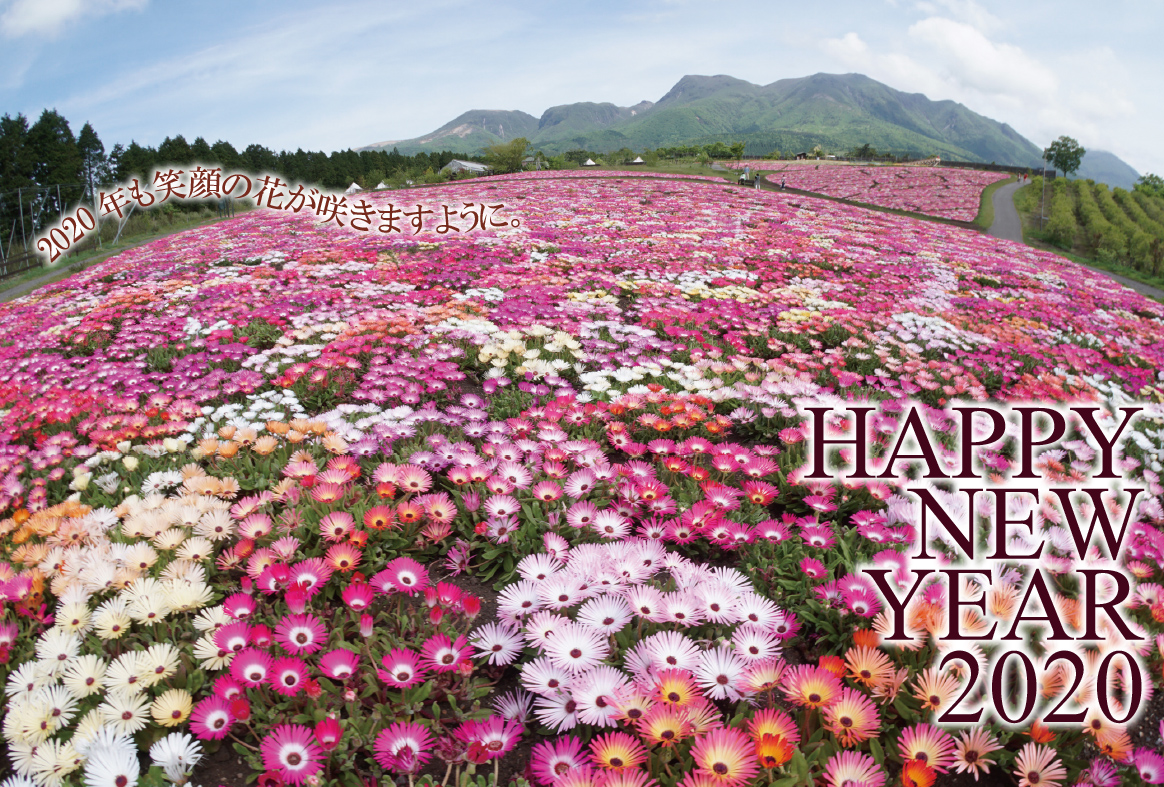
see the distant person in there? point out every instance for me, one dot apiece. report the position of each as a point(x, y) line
point(782, 184)
point(756, 180)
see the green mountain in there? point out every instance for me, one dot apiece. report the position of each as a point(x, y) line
point(468, 133)
point(1104, 167)
point(836, 111)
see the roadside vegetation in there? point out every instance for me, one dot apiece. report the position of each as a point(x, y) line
point(1112, 229)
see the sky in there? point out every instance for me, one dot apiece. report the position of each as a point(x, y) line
point(289, 74)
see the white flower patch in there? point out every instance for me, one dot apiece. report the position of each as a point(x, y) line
point(934, 333)
point(490, 294)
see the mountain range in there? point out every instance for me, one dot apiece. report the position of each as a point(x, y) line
point(836, 111)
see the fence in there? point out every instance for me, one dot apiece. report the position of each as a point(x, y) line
point(25, 211)
point(18, 264)
point(1035, 170)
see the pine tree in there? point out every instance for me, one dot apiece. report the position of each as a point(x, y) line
point(58, 163)
point(95, 170)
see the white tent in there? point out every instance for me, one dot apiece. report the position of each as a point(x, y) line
point(472, 167)
point(381, 185)
point(590, 163)
point(352, 189)
point(638, 160)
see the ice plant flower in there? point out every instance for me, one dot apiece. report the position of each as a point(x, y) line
point(971, 750)
point(617, 751)
point(851, 717)
point(403, 747)
point(851, 767)
point(290, 750)
point(726, 756)
point(928, 745)
point(1037, 766)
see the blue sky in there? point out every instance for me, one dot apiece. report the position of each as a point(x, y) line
point(344, 74)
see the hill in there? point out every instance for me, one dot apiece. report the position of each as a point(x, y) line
point(468, 133)
point(836, 111)
point(1104, 167)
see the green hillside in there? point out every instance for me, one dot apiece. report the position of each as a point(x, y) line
point(468, 133)
point(836, 111)
point(1104, 167)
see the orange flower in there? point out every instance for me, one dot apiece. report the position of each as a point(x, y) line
point(834, 664)
point(265, 445)
point(773, 750)
point(1115, 743)
point(917, 774)
point(1040, 733)
point(675, 687)
point(379, 518)
point(773, 723)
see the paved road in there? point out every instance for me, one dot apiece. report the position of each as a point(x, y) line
point(1006, 219)
point(1008, 227)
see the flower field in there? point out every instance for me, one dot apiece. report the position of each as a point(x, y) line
point(934, 191)
point(530, 501)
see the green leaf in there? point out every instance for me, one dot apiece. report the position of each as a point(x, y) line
point(877, 751)
point(906, 712)
point(422, 693)
point(801, 766)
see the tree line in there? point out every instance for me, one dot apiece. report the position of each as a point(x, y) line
point(45, 168)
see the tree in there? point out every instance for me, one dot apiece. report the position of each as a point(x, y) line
point(135, 161)
point(174, 152)
point(737, 149)
point(1153, 184)
point(16, 156)
point(507, 156)
point(1065, 155)
point(57, 158)
point(200, 151)
point(94, 163)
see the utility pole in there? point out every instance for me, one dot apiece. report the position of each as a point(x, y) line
point(1043, 201)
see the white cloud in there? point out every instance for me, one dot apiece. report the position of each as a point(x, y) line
point(955, 52)
point(966, 11)
point(972, 60)
point(48, 17)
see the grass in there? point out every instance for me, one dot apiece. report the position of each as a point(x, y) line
point(985, 215)
point(1027, 203)
point(141, 228)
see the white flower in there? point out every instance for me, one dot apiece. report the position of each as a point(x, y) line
point(109, 766)
point(176, 754)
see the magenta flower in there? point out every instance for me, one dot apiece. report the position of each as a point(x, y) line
point(339, 664)
point(358, 596)
point(404, 575)
point(288, 675)
point(402, 669)
point(403, 747)
point(210, 719)
point(251, 666)
point(443, 654)
point(813, 568)
point(300, 634)
point(291, 751)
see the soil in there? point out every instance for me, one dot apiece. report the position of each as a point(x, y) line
point(221, 767)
